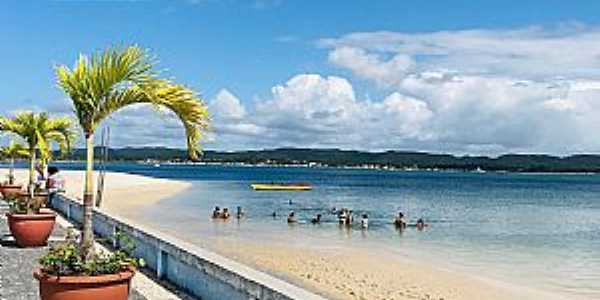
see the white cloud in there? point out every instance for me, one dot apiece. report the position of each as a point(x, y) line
point(471, 91)
point(475, 91)
point(370, 65)
point(572, 50)
point(310, 110)
point(229, 116)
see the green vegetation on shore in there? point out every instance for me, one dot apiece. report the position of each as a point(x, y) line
point(390, 159)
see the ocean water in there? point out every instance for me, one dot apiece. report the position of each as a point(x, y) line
point(535, 230)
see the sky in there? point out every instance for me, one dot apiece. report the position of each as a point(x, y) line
point(463, 77)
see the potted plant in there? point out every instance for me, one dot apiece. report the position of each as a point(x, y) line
point(107, 275)
point(29, 225)
point(12, 152)
point(99, 86)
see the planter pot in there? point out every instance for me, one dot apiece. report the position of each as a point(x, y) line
point(10, 190)
point(113, 286)
point(32, 230)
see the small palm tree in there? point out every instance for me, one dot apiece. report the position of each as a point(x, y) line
point(39, 131)
point(12, 152)
point(111, 80)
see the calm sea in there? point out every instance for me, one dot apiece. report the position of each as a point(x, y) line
point(538, 230)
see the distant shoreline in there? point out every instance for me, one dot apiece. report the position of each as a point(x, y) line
point(336, 158)
point(375, 168)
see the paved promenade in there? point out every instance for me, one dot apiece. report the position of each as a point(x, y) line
point(17, 264)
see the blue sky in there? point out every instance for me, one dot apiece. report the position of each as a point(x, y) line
point(346, 56)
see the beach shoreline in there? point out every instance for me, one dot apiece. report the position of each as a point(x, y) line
point(351, 274)
point(140, 191)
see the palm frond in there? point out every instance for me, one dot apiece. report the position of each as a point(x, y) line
point(14, 150)
point(109, 81)
point(40, 131)
point(91, 80)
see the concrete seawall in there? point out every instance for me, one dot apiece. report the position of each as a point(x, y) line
point(195, 270)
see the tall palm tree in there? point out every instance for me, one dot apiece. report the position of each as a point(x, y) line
point(111, 80)
point(39, 131)
point(12, 152)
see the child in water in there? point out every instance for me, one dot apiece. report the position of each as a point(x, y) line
point(364, 223)
point(225, 214)
point(421, 224)
point(316, 219)
point(291, 217)
point(216, 213)
point(399, 222)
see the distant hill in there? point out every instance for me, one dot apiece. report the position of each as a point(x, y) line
point(395, 159)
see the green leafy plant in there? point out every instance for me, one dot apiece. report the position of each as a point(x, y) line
point(23, 204)
point(38, 130)
point(12, 152)
point(66, 259)
point(107, 82)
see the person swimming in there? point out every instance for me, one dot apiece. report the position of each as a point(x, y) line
point(316, 219)
point(343, 216)
point(216, 213)
point(225, 214)
point(349, 218)
point(421, 224)
point(291, 217)
point(364, 223)
point(400, 222)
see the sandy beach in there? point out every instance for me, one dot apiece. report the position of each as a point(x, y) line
point(123, 193)
point(367, 273)
point(349, 274)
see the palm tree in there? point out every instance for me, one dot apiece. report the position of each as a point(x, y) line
point(11, 152)
point(39, 131)
point(111, 80)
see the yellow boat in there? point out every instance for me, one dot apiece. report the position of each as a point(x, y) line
point(281, 186)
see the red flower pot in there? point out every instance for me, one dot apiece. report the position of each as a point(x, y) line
point(112, 286)
point(10, 190)
point(31, 230)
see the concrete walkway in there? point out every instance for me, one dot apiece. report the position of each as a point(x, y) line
point(17, 264)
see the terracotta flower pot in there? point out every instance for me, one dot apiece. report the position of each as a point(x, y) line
point(31, 230)
point(10, 190)
point(113, 286)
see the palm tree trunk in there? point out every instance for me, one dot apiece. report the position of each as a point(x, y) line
point(87, 240)
point(11, 172)
point(31, 168)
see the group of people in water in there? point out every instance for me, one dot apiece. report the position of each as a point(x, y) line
point(344, 216)
point(224, 213)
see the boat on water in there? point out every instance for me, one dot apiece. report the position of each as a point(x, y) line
point(281, 186)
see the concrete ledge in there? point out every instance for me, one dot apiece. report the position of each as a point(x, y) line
point(195, 270)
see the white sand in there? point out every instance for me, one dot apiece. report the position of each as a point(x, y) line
point(123, 193)
point(353, 274)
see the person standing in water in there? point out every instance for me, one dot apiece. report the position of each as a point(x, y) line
point(216, 213)
point(291, 218)
point(400, 222)
point(421, 224)
point(316, 219)
point(364, 223)
point(240, 212)
point(225, 214)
